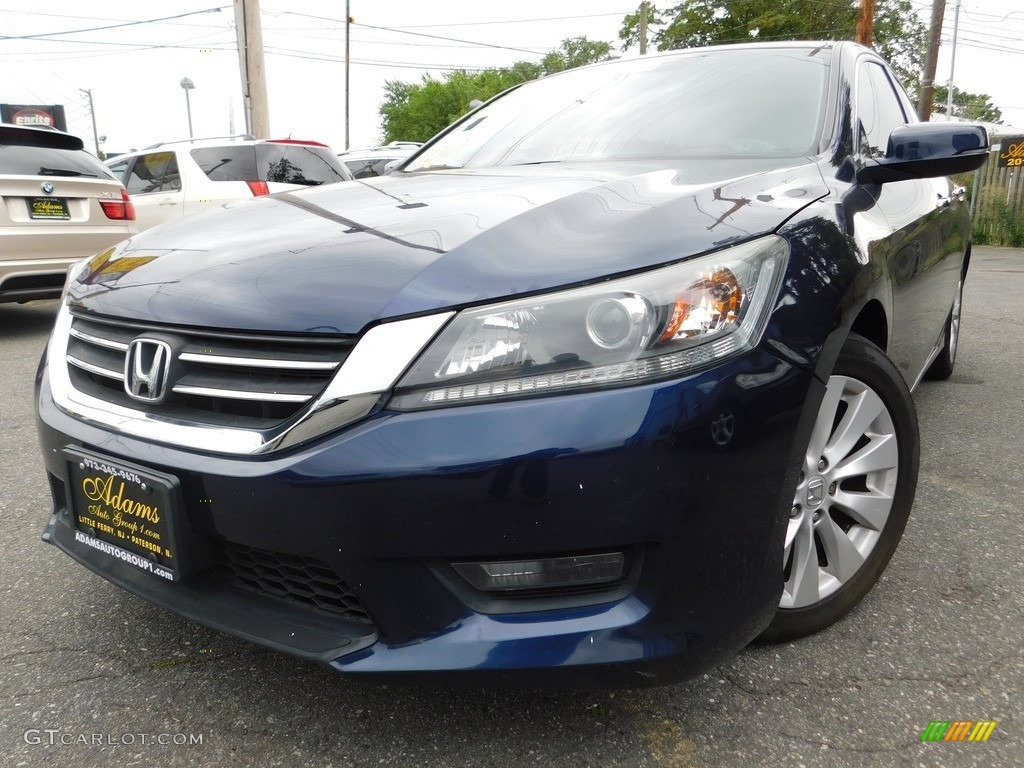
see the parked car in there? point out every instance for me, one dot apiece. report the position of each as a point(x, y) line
point(377, 161)
point(174, 179)
point(58, 204)
point(459, 422)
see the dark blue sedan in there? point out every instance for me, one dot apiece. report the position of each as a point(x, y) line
point(609, 379)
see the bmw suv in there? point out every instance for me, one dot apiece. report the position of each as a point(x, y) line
point(58, 204)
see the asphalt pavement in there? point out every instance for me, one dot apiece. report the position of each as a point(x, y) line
point(93, 676)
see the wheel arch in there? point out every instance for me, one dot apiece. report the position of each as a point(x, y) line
point(872, 324)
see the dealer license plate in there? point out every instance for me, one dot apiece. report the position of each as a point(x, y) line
point(125, 511)
point(48, 208)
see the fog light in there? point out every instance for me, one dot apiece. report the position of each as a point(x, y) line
point(549, 573)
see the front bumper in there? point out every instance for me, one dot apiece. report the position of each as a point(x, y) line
point(387, 504)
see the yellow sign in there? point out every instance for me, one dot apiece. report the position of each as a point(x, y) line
point(1012, 153)
point(115, 510)
point(49, 208)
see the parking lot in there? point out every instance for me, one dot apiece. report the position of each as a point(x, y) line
point(94, 676)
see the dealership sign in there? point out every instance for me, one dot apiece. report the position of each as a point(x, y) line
point(1011, 152)
point(51, 115)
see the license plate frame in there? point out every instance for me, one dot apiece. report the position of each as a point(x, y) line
point(49, 208)
point(128, 512)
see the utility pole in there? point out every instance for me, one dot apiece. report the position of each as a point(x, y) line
point(92, 114)
point(865, 22)
point(250, 59)
point(924, 104)
point(643, 28)
point(348, 23)
point(952, 63)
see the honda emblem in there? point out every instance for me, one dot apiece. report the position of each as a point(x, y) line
point(147, 368)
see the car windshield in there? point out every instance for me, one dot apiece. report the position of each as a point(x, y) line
point(761, 103)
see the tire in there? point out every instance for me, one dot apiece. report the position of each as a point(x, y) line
point(854, 495)
point(942, 366)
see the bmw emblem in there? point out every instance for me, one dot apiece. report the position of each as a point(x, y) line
point(47, 188)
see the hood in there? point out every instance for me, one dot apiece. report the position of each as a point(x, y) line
point(337, 258)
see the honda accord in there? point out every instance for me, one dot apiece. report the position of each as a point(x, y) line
point(609, 379)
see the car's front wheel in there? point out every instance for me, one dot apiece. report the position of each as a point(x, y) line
point(854, 494)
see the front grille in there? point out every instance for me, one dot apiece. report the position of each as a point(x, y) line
point(223, 379)
point(292, 578)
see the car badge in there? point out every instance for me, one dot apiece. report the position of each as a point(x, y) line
point(815, 492)
point(147, 368)
point(47, 188)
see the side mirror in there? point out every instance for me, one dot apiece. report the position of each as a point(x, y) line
point(922, 150)
point(391, 165)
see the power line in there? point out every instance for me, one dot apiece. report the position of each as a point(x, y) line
point(514, 21)
point(418, 34)
point(363, 39)
point(42, 35)
point(135, 46)
point(294, 54)
point(89, 18)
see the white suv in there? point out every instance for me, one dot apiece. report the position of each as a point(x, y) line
point(170, 180)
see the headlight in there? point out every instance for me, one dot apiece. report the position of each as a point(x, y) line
point(667, 322)
point(75, 273)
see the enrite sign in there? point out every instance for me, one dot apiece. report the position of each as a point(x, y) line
point(51, 115)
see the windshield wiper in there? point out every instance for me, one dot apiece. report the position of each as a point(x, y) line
point(441, 167)
point(64, 172)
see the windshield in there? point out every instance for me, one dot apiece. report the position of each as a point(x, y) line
point(760, 103)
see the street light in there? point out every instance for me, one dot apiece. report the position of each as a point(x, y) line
point(188, 85)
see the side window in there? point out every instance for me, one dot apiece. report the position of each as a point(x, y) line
point(228, 163)
point(368, 168)
point(361, 169)
point(879, 110)
point(155, 172)
point(118, 169)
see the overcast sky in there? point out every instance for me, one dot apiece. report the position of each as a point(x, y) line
point(134, 72)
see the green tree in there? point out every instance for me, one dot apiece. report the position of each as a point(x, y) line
point(900, 37)
point(417, 111)
point(969, 106)
point(576, 52)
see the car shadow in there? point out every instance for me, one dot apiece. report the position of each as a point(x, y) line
point(31, 319)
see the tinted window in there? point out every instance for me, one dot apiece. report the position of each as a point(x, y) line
point(285, 163)
point(119, 168)
point(297, 164)
point(373, 166)
point(764, 103)
point(878, 110)
point(154, 172)
point(230, 163)
point(46, 161)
